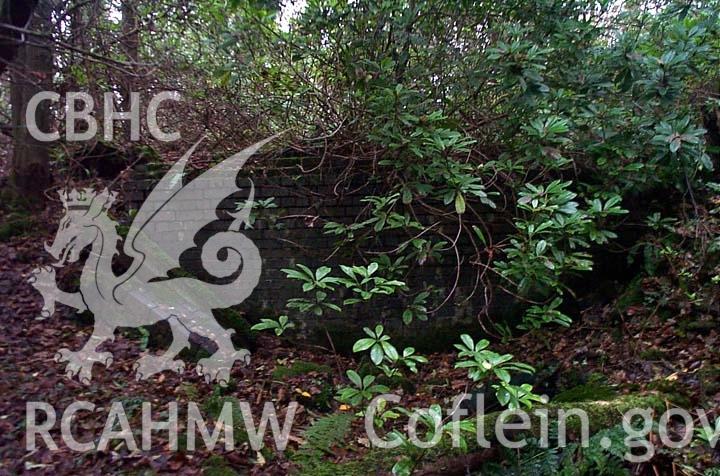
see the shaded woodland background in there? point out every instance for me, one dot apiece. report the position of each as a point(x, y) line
point(539, 174)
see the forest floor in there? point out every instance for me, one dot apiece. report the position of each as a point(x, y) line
point(639, 352)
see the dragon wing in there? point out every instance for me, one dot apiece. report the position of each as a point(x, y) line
point(171, 216)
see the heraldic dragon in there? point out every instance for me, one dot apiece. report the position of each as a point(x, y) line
point(165, 227)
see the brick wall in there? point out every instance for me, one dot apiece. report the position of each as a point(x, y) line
point(294, 234)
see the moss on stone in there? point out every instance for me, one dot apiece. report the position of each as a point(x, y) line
point(373, 462)
point(672, 390)
point(300, 367)
point(586, 392)
point(652, 354)
point(601, 415)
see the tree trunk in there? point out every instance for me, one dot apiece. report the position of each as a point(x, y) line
point(32, 73)
point(131, 46)
point(15, 13)
point(130, 43)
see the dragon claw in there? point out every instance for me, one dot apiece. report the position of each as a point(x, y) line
point(149, 365)
point(213, 370)
point(217, 367)
point(44, 274)
point(80, 363)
